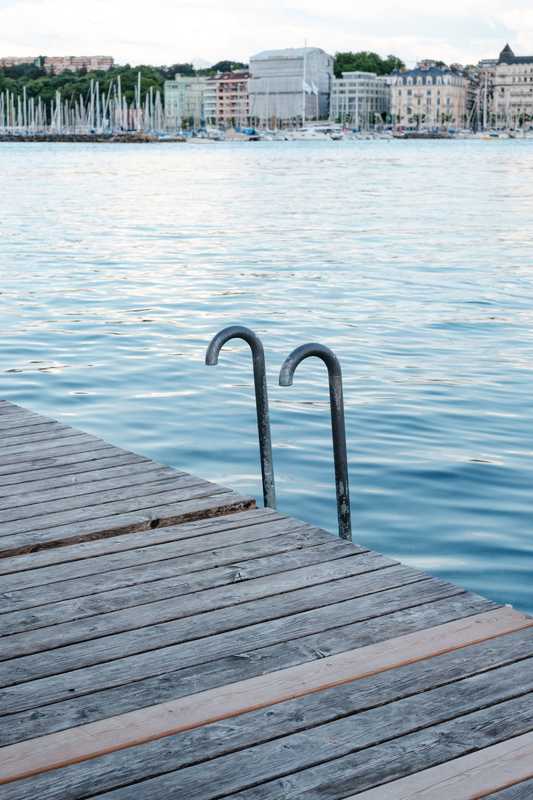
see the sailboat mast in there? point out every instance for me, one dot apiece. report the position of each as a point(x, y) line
point(304, 84)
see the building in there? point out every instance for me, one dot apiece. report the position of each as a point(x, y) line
point(15, 61)
point(232, 99)
point(226, 100)
point(58, 64)
point(288, 87)
point(361, 99)
point(513, 90)
point(211, 101)
point(184, 102)
point(429, 97)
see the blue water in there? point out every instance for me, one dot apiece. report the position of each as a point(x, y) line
point(413, 260)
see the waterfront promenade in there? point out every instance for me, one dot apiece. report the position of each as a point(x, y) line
point(163, 637)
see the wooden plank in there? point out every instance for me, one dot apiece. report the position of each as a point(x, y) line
point(134, 500)
point(237, 659)
point(466, 778)
point(144, 564)
point(33, 427)
point(291, 557)
point(21, 453)
point(519, 791)
point(87, 484)
point(200, 503)
point(97, 677)
point(188, 713)
point(11, 409)
point(30, 421)
point(112, 651)
point(85, 506)
point(130, 765)
point(57, 457)
point(20, 443)
point(143, 539)
point(348, 776)
point(68, 468)
point(192, 602)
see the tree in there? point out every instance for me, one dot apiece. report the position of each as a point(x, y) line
point(168, 73)
point(366, 61)
point(221, 66)
point(228, 66)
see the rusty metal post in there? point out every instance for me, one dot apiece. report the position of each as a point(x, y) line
point(261, 399)
point(337, 423)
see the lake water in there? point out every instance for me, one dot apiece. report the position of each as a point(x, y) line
point(412, 260)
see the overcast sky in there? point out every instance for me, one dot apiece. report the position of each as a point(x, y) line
point(168, 31)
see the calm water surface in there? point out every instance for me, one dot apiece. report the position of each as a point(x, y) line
point(413, 260)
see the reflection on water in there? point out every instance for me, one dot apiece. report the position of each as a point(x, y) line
point(411, 259)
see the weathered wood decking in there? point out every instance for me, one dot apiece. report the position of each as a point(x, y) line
point(245, 655)
point(59, 485)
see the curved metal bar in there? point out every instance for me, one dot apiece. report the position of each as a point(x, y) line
point(337, 423)
point(261, 399)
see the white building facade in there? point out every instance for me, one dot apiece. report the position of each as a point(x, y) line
point(360, 99)
point(513, 90)
point(289, 87)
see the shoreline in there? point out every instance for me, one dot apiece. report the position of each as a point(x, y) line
point(91, 138)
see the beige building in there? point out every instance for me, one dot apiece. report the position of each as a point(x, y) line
point(513, 90)
point(429, 97)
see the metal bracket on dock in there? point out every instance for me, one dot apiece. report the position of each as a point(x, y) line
point(261, 399)
point(337, 423)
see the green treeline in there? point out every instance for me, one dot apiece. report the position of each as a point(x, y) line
point(365, 61)
point(72, 84)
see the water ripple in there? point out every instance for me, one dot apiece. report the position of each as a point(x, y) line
point(411, 259)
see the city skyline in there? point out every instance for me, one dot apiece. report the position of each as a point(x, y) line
point(457, 32)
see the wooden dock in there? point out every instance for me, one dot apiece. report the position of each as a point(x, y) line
point(163, 638)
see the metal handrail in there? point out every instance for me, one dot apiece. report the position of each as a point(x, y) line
point(261, 399)
point(337, 423)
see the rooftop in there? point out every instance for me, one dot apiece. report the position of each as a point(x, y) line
point(434, 72)
point(507, 56)
point(289, 52)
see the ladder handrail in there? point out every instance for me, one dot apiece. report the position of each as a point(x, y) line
point(338, 427)
point(261, 399)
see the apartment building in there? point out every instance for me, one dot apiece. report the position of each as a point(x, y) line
point(185, 102)
point(58, 64)
point(429, 96)
point(513, 90)
point(360, 99)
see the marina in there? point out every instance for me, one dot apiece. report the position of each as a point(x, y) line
point(231, 651)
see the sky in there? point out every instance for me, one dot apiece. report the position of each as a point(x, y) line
point(206, 31)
